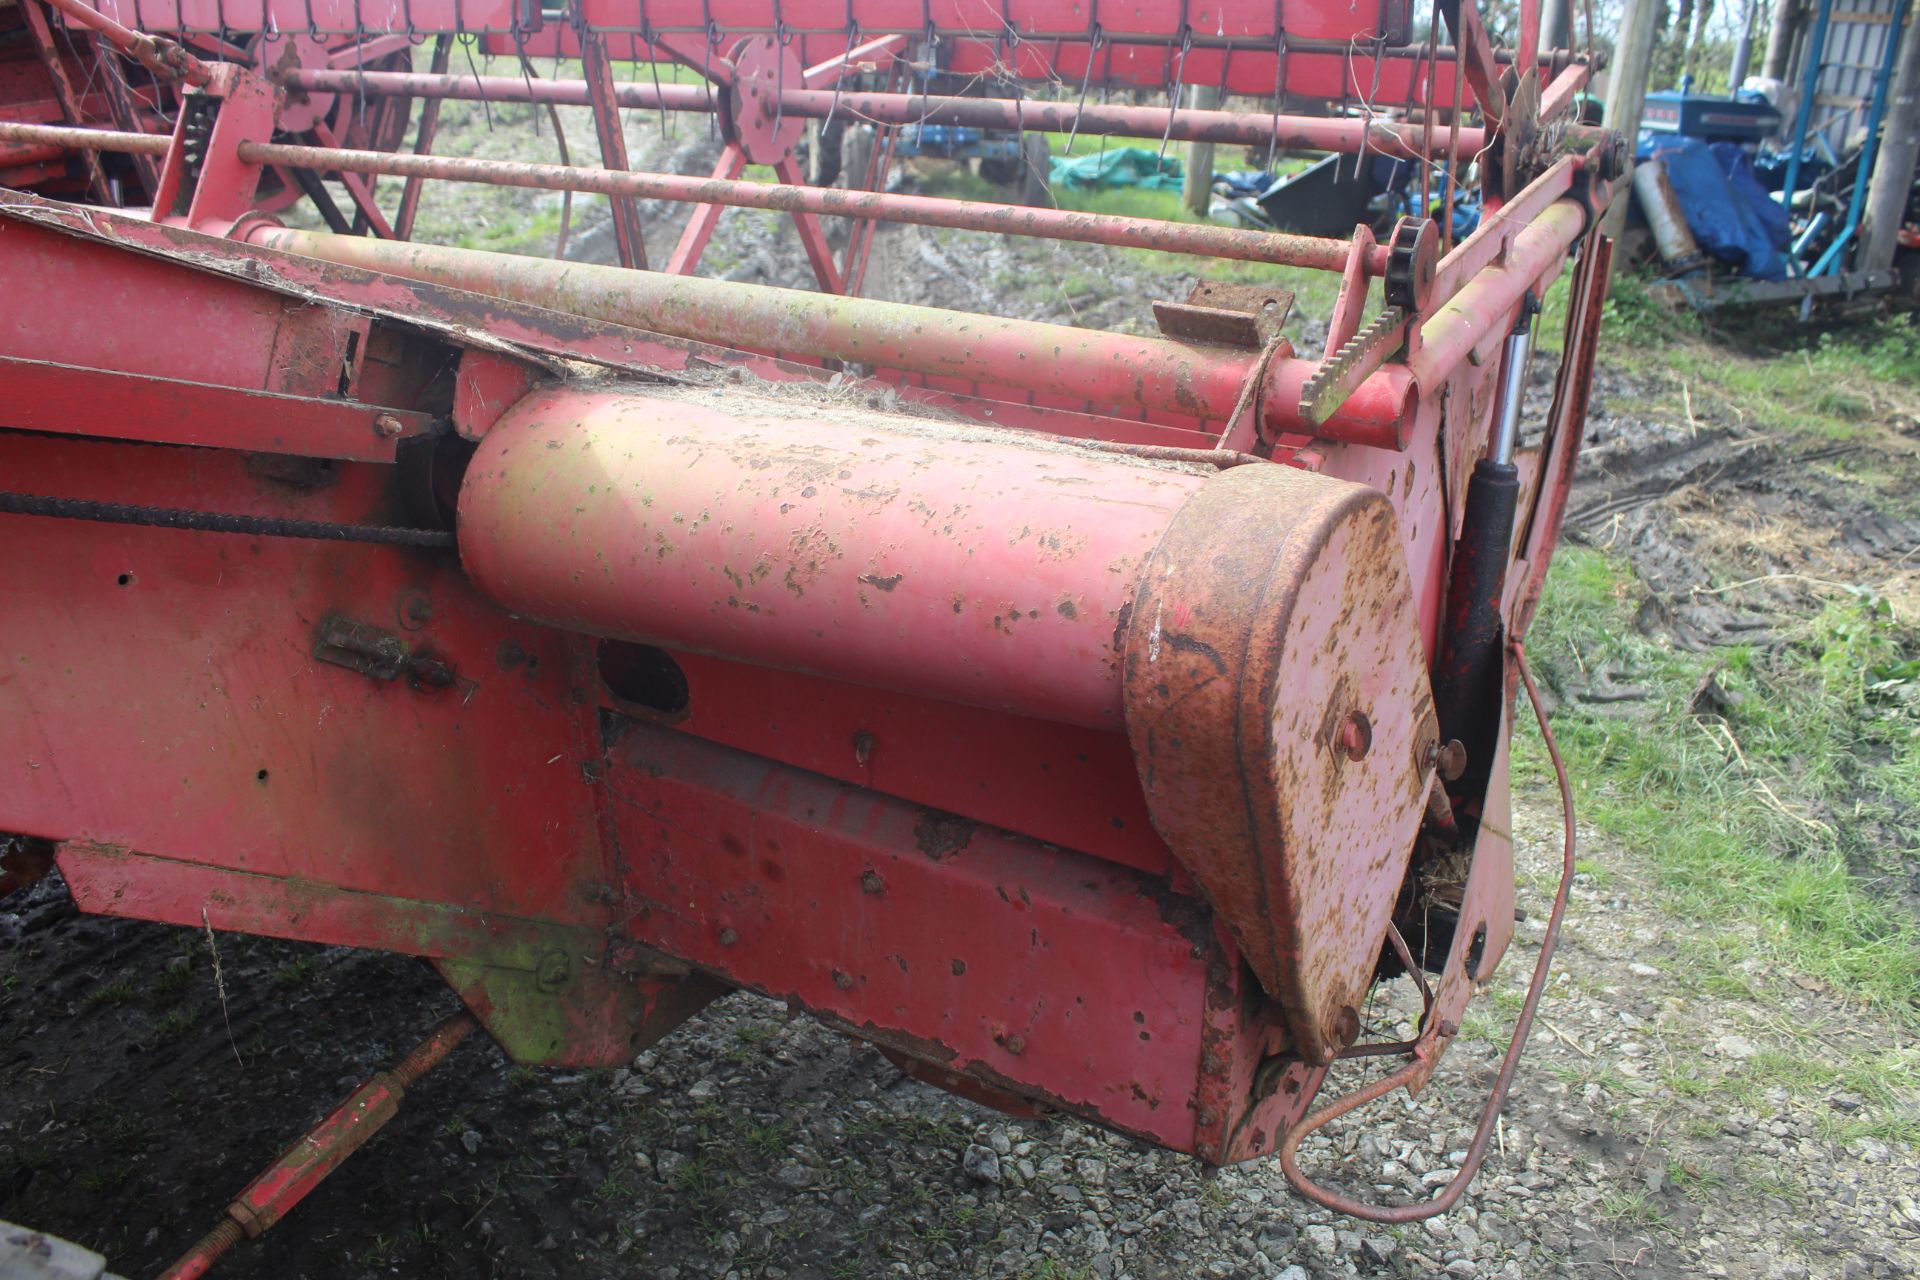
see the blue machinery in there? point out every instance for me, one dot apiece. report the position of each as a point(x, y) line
point(1830, 262)
point(1830, 270)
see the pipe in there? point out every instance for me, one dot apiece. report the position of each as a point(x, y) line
point(1273, 247)
point(1117, 373)
point(1513, 383)
point(319, 1151)
point(1224, 128)
point(1277, 248)
point(73, 138)
point(980, 566)
point(1671, 234)
point(1463, 322)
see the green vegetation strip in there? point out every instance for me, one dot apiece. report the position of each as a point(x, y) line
point(1786, 829)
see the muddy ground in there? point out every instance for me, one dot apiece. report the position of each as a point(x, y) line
point(141, 1093)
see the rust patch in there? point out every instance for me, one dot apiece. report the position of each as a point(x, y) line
point(938, 834)
point(887, 583)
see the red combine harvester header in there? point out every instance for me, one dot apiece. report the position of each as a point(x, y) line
point(1092, 728)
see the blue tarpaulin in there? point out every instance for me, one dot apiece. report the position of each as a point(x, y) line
point(1726, 208)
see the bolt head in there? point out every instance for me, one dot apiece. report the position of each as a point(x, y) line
point(387, 426)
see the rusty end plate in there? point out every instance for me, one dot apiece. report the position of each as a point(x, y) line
point(1277, 701)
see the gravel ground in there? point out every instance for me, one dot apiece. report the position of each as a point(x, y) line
point(752, 1143)
point(756, 1144)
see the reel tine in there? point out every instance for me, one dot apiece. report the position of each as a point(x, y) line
point(526, 68)
point(467, 41)
point(1179, 84)
point(1086, 78)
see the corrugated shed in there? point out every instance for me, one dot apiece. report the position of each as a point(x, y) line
point(1856, 48)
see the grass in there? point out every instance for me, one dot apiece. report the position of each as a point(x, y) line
point(1834, 381)
point(1633, 1206)
point(1772, 847)
point(296, 973)
point(111, 994)
point(1314, 291)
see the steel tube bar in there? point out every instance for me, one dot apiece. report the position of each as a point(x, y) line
point(1277, 248)
point(1224, 128)
point(1107, 368)
point(1051, 224)
point(1114, 372)
point(318, 1152)
point(1513, 391)
point(76, 139)
point(1466, 319)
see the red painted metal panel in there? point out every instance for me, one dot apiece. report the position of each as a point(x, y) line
point(1059, 783)
point(144, 315)
point(1025, 23)
point(237, 16)
point(43, 396)
point(1054, 974)
point(163, 693)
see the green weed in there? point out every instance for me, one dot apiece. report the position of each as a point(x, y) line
point(295, 973)
point(111, 994)
point(1764, 831)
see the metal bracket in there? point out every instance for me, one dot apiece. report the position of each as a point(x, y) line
point(1233, 315)
point(359, 646)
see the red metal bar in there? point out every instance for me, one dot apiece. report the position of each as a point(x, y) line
point(1479, 63)
point(699, 229)
point(629, 240)
point(813, 237)
point(1051, 224)
point(1278, 248)
point(306, 1164)
point(74, 139)
point(1567, 428)
point(43, 396)
point(1104, 368)
point(1114, 373)
point(164, 57)
point(1475, 315)
point(358, 189)
point(41, 35)
point(423, 144)
point(1225, 128)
